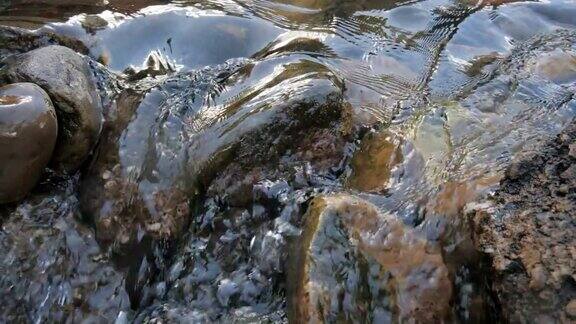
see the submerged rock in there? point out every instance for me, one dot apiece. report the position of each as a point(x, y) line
point(527, 231)
point(558, 66)
point(373, 163)
point(164, 149)
point(28, 132)
point(67, 78)
point(238, 150)
point(356, 264)
point(51, 267)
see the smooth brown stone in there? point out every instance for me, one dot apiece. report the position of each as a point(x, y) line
point(28, 132)
point(66, 77)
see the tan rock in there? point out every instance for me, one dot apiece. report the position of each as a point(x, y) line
point(374, 161)
point(558, 66)
point(571, 309)
point(530, 246)
point(356, 264)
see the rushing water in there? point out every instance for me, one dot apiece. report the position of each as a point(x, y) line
point(178, 215)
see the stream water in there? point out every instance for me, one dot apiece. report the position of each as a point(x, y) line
point(196, 200)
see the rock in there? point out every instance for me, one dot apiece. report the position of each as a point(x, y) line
point(373, 163)
point(156, 64)
point(93, 23)
point(243, 162)
point(572, 149)
point(571, 309)
point(538, 278)
point(67, 78)
point(52, 268)
point(165, 149)
point(356, 264)
point(14, 40)
point(28, 132)
point(527, 233)
point(559, 66)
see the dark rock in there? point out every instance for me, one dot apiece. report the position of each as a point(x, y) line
point(51, 267)
point(156, 65)
point(93, 23)
point(14, 40)
point(527, 231)
point(28, 132)
point(67, 78)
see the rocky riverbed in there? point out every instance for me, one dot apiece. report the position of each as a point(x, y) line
point(287, 161)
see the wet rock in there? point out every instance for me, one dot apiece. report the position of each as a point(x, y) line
point(231, 265)
point(28, 132)
point(156, 64)
point(51, 267)
point(67, 78)
point(527, 231)
point(355, 264)
point(14, 40)
point(571, 309)
point(558, 66)
point(173, 313)
point(373, 163)
point(93, 23)
point(320, 152)
point(311, 111)
point(456, 138)
point(166, 148)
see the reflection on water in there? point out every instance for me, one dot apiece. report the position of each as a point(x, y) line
point(216, 36)
point(226, 118)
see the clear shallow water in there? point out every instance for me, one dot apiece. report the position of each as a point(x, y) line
point(442, 94)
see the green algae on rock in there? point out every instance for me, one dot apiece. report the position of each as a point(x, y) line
point(28, 132)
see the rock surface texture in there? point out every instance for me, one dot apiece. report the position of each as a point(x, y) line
point(151, 163)
point(320, 162)
point(53, 270)
point(28, 131)
point(67, 79)
point(15, 40)
point(527, 230)
point(355, 264)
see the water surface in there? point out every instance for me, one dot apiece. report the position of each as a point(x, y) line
point(443, 94)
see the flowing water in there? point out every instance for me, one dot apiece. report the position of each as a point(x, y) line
point(196, 199)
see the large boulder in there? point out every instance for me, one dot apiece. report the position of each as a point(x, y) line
point(67, 78)
point(28, 131)
point(158, 152)
point(356, 264)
